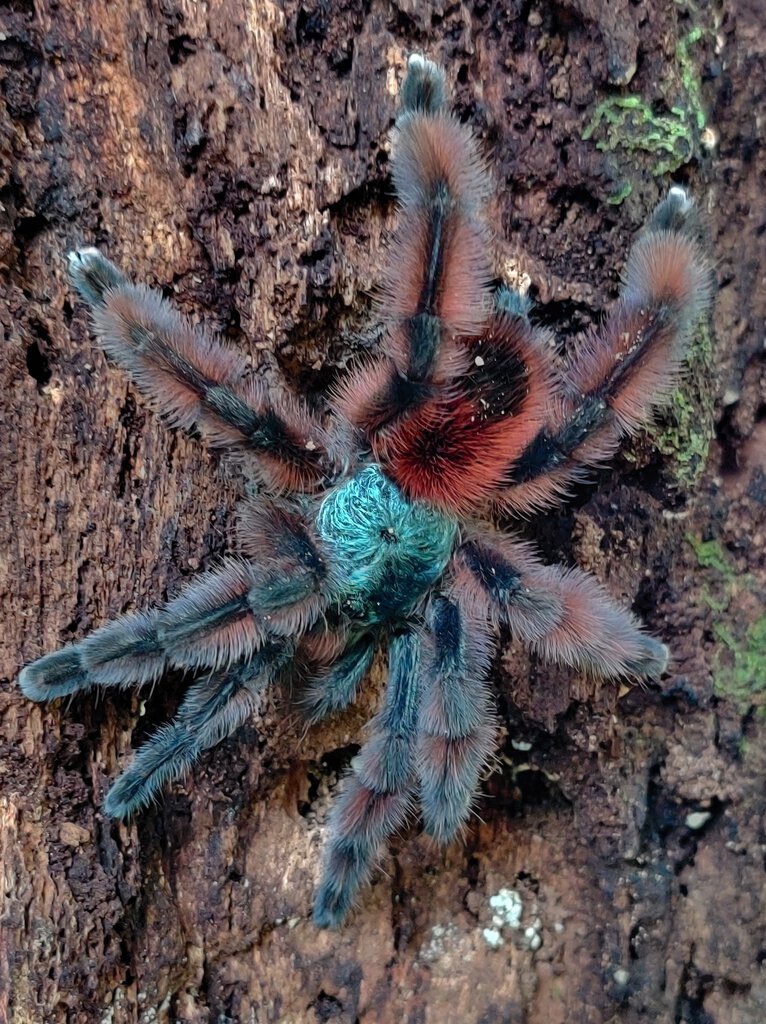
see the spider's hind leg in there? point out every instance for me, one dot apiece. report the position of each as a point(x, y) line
point(195, 380)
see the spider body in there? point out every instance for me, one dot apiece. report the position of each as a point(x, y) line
point(392, 550)
point(371, 523)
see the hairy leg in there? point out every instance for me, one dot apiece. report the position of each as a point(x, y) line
point(436, 284)
point(563, 614)
point(377, 796)
point(334, 687)
point(465, 382)
point(620, 374)
point(194, 380)
point(222, 617)
point(213, 708)
point(456, 733)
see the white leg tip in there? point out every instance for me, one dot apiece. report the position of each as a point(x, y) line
point(680, 196)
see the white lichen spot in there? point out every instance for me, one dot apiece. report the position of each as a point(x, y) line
point(441, 938)
point(492, 937)
point(507, 908)
point(621, 976)
point(117, 1007)
point(521, 745)
point(697, 819)
point(507, 911)
point(531, 938)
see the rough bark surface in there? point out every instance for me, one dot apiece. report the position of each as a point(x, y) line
point(234, 152)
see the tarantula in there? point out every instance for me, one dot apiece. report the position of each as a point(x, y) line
point(372, 522)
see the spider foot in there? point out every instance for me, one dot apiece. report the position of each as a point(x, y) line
point(512, 303)
point(676, 212)
point(124, 652)
point(213, 709)
point(93, 275)
point(424, 87)
point(653, 660)
point(54, 675)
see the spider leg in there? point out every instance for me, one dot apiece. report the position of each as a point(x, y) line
point(436, 285)
point(512, 303)
point(333, 688)
point(377, 796)
point(438, 282)
point(213, 708)
point(465, 382)
point(563, 614)
point(620, 374)
point(223, 616)
point(194, 380)
point(455, 722)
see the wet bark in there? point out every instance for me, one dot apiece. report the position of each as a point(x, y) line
point(235, 154)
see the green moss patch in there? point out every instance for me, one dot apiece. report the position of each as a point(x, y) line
point(739, 665)
point(667, 127)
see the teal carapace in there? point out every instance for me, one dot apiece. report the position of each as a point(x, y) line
point(391, 550)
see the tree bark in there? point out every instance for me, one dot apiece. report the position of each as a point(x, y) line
point(234, 153)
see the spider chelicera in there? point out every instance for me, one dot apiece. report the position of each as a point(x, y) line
point(373, 522)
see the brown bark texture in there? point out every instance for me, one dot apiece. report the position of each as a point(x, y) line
point(235, 154)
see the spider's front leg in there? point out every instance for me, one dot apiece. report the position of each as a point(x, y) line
point(465, 381)
point(195, 380)
point(436, 286)
point(456, 733)
point(377, 797)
